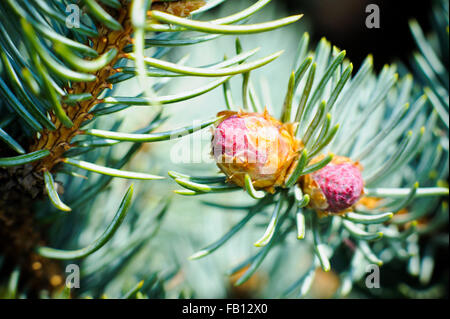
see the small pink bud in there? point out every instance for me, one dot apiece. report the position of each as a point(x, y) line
point(336, 187)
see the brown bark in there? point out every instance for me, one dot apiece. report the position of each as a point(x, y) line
point(22, 187)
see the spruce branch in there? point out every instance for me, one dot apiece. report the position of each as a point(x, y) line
point(57, 80)
point(388, 137)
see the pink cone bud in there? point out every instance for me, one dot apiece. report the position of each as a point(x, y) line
point(254, 144)
point(336, 187)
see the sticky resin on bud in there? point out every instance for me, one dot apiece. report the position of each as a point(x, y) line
point(255, 144)
point(336, 187)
